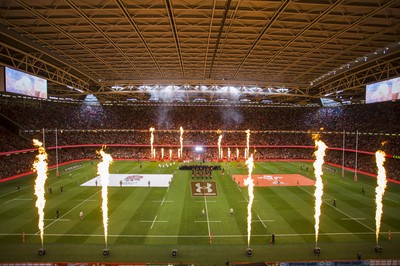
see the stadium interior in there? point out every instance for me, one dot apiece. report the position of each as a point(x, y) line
point(82, 75)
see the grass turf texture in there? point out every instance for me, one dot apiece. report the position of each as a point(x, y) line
point(145, 224)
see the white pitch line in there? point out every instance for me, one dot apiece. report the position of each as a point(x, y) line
point(344, 182)
point(12, 199)
point(61, 220)
point(202, 201)
point(162, 202)
point(70, 210)
point(261, 221)
point(151, 227)
point(385, 198)
point(238, 188)
point(153, 221)
point(198, 236)
point(207, 221)
point(347, 219)
point(85, 200)
point(340, 211)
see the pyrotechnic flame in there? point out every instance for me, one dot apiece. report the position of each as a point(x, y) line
point(162, 153)
point(247, 143)
point(379, 190)
point(103, 171)
point(237, 153)
point(170, 154)
point(250, 183)
point(151, 142)
point(40, 166)
point(319, 186)
point(219, 146)
point(229, 153)
point(181, 139)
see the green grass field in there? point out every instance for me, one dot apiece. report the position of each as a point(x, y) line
point(145, 224)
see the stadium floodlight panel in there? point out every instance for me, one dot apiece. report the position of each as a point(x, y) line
point(198, 149)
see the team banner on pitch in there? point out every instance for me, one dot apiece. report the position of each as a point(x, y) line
point(204, 188)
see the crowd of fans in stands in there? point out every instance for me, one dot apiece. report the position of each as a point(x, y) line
point(270, 127)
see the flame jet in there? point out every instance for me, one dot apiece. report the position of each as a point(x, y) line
point(40, 166)
point(103, 171)
point(181, 139)
point(319, 186)
point(247, 143)
point(250, 183)
point(219, 144)
point(151, 142)
point(379, 190)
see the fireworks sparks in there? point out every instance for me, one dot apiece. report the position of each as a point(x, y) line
point(152, 153)
point(247, 143)
point(40, 166)
point(103, 171)
point(319, 161)
point(181, 139)
point(379, 190)
point(250, 183)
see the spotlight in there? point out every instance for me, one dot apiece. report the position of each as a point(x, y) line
point(378, 249)
point(41, 252)
point(174, 252)
point(317, 251)
point(249, 252)
point(106, 252)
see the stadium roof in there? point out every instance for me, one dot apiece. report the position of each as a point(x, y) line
point(292, 52)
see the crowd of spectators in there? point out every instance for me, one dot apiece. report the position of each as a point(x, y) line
point(270, 127)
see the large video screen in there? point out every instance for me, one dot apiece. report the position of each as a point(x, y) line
point(388, 90)
point(23, 83)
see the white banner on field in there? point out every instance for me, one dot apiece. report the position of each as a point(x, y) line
point(132, 180)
